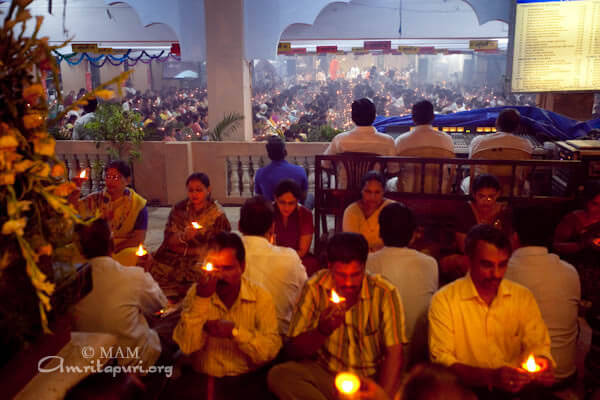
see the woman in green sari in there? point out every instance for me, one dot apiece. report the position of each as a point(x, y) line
point(192, 224)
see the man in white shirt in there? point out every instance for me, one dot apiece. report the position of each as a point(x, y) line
point(120, 299)
point(414, 274)
point(554, 283)
point(362, 139)
point(422, 141)
point(277, 269)
point(423, 135)
point(89, 113)
point(507, 124)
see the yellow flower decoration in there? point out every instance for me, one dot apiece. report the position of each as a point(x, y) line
point(7, 178)
point(45, 250)
point(32, 121)
point(15, 207)
point(14, 226)
point(23, 166)
point(58, 170)
point(45, 146)
point(104, 94)
point(64, 189)
point(7, 142)
point(41, 169)
point(32, 93)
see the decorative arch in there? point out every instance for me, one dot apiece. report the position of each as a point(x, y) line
point(497, 10)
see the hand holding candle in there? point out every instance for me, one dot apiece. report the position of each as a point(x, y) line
point(540, 369)
point(347, 385)
point(81, 178)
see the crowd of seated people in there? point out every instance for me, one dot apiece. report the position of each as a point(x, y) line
point(171, 115)
point(254, 322)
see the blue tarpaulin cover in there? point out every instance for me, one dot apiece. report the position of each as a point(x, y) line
point(544, 122)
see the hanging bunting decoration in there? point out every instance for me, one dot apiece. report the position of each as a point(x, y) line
point(77, 58)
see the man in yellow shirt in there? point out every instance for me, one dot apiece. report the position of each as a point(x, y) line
point(484, 327)
point(228, 327)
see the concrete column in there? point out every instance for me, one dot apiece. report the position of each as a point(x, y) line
point(227, 69)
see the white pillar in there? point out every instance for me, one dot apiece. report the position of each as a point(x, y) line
point(227, 70)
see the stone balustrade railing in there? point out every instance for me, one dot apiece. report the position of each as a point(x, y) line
point(161, 173)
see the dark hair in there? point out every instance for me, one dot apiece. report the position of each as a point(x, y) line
point(288, 185)
point(95, 239)
point(372, 176)
point(198, 176)
point(256, 216)
point(486, 233)
point(347, 247)
point(508, 120)
point(230, 240)
point(484, 181)
point(432, 382)
point(534, 226)
point(397, 224)
point(422, 112)
point(91, 105)
point(363, 112)
point(120, 166)
point(276, 148)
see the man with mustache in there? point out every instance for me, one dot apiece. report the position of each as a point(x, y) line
point(228, 327)
point(483, 326)
point(364, 333)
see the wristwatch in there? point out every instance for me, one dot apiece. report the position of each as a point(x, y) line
point(235, 332)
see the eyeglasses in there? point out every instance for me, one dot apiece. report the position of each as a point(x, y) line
point(112, 177)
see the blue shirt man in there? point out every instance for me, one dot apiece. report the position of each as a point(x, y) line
point(267, 178)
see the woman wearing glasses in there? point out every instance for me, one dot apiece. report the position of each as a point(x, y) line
point(123, 209)
point(483, 208)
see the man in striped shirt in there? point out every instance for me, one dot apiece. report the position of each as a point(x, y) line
point(363, 333)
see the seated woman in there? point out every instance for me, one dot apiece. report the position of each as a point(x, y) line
point(577, 239)
point(294, 223)
point(362, 216)
point(122, 207)
point(483, 208)
point(192, 224)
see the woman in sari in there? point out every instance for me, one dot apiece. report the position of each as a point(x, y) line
point(362, 216)
point(193, 223)
point(122, 207)
point(483, 208)
point(577, 239)
point(294, 223)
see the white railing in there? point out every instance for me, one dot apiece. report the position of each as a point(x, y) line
point(161, 173)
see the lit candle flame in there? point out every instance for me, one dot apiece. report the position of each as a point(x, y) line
point(337, 299)
point(141, 251)
point(208, 267)
point(596, 242)
point(83, 174)
point(530, 365)
point(347, 383)
point(196, 225)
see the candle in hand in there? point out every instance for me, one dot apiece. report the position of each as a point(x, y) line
point(196, 225)
point(347, 383)
point(141, 251)
point(83, 174)
point(530, 365)
point(208, 267)
point(335, 298)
